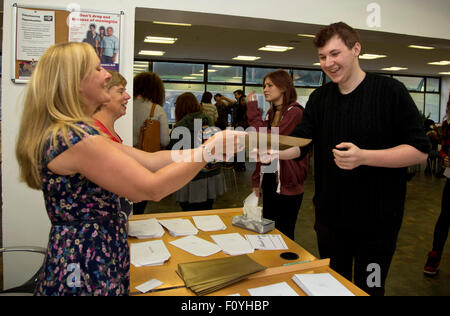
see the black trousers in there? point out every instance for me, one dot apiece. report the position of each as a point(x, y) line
point(139, 207)
point(443, 223)
point(207, 205)
point(283, 209)
point(368, 257)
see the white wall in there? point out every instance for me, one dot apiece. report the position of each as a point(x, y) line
point(24, 219)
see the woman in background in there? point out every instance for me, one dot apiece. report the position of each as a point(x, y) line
point(107, 114)
point(200, 193)
point(443, 223)
point(208, 107)
point(285, 186)
point(148, 90)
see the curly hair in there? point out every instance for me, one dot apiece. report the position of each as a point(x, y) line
point(150, 87)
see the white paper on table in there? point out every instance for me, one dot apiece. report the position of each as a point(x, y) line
point(148, 286)
point(321, 284)
point(209, 223)
point(233, 244)
point(267, 242)
point(196, 246)
point(179, 227)
point(447, 172)
point(149, 253)
point(149, 228)
point(278, 289)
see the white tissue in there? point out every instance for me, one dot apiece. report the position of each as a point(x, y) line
point(251, 209)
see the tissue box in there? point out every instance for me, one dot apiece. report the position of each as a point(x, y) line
point(261, 227)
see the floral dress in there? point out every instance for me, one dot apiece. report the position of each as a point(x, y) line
point(88, 251)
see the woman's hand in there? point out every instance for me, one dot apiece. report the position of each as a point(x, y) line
point(446, 162)
point(225, 144)
point(251, 97)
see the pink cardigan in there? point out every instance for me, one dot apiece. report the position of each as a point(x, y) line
point(292, 173)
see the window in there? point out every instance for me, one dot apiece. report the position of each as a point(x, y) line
point(303, 95)
point(433, 85)
point(221, 73)
point(418, 100)
point(179, 71)
point(412, 83)
point(310, 78)
point(141, 66)
point(173, 90)
point(256, 75)
point(432, 106)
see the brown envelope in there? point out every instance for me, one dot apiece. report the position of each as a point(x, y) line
point(206, 276)
point(283, 141)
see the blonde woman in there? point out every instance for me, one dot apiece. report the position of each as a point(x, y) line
point(82, 173)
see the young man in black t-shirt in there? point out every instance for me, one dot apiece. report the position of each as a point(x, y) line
point(366, 130)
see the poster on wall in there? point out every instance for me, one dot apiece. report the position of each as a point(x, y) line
point(35, 33)
point(102, 31)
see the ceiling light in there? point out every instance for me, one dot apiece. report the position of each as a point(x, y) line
point(246, 58)
point(209, 70)
point(445, 73)
point(306, 35)
point(189, 78)
point(440, 63)
point(220, 66)
point(172, 23)
point(371, 56)
point(274, 48)
point(197, 75)
point(394, 68)
point(316, 64)
point(151, 52)
point(421, 47)
point(160, 40)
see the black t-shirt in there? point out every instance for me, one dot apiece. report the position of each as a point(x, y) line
point(378, 114)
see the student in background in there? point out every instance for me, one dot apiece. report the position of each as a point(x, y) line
point(208, 107)
point(209, 183)
point(223, 110)
point(148, 90)
point(285, 186)
point(443, 223)
point(82, 173)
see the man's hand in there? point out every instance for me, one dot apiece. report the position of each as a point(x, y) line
point(348, 156)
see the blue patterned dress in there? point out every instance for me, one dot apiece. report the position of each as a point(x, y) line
point(88, 251)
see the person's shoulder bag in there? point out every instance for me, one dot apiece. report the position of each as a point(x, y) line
point(149, 135)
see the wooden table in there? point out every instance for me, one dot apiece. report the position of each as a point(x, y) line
point(174, 285)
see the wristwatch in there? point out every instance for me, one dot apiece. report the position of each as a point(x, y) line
point(208, 154)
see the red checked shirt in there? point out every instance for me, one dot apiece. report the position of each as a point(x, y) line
point(445, 139)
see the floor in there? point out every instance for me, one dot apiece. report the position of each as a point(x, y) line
point(421, 212)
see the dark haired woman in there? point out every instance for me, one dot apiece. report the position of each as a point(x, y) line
point(443, 224)
point(200, 193)
point(208, 107)
point(148, 90)
point(282, 191)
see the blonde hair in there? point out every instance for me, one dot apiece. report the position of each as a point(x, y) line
point(53, 105)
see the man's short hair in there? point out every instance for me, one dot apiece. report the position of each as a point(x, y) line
point(239, 91)
point(348, 35)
